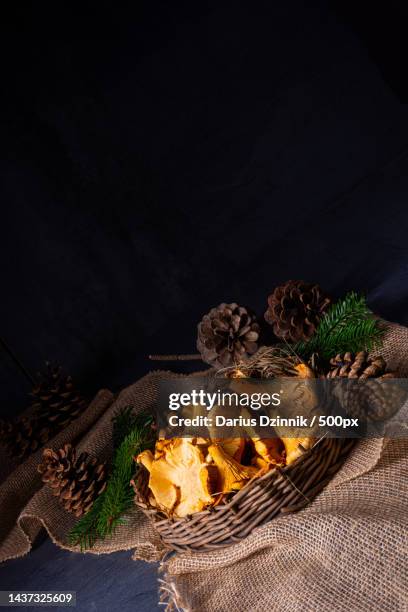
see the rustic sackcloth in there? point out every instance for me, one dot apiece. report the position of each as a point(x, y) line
point(26, 506)
point(19, 483)
point(346, 551)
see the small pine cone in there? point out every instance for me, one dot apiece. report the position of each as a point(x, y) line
point(227, 335)
point(76, 481)
point(295, 309)
point(360, 366)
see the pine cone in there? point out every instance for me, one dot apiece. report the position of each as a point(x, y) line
point(359, 366)
point(227, 335)
point(23, 437)
point(56, 400)
point(295, 309)
point(56, 404)
point(76, 481)
point(371, 400)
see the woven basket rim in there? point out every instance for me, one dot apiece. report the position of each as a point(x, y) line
point(233, 496)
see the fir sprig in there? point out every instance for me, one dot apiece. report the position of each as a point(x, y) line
point(349, 325)
point(123, 422)
point(107, 512)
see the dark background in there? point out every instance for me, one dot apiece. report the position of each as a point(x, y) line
point(159, 158)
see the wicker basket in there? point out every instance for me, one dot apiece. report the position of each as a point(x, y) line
point(279, 491)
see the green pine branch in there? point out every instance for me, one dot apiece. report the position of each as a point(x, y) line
point(108, 509)
point(123, 422)
point(349, 325)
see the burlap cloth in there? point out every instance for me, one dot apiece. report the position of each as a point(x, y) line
point(346, 551)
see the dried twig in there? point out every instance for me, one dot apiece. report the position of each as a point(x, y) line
point(18, 363)
point(193, 357)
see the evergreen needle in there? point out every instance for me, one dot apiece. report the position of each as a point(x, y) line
point(108, 509)
point(348, 325)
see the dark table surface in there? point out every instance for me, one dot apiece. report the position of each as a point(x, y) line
point(102, 582)
point(193, 157)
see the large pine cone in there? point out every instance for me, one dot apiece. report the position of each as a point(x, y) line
point(227, 335)
point(56, 404)
point(364, 396)
point(76, 481)
point(295, 309)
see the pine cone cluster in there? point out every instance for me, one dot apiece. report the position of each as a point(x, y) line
point(76, 481)
point(56, 403)
point(227, 335)
point(295, 309)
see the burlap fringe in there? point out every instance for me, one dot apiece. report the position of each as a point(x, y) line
point(170, 597)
